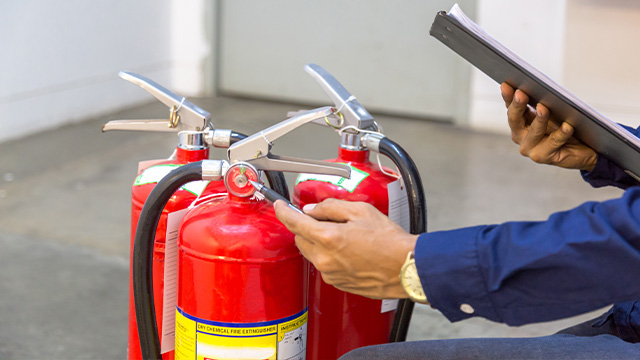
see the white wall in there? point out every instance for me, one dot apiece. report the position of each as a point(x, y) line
point(588, 46)
point(602, 53)
point(532, 29)
point(60, 59)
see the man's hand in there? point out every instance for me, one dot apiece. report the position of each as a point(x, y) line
point(541, 140)
point(355, 247)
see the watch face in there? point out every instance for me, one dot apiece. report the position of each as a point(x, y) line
point(411, 282)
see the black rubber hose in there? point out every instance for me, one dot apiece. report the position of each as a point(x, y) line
point(143, 255)
point(276, 178)
point(418, 215)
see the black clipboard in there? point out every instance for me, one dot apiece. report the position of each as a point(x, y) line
point(467, 39)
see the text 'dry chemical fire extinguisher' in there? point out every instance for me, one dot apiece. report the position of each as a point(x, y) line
point(241, 281)
point(340, 321)
point(196, 134)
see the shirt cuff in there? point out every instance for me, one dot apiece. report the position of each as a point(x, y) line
point(606, 173)
point(450, 274)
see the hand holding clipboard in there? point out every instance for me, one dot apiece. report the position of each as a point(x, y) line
point(462, 35)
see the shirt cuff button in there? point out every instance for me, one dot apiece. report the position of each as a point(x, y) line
point(467, 309)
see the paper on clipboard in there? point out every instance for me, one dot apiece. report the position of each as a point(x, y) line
point(462, 35)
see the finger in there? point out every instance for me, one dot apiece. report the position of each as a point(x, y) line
point(293, 220)
point(306, 247)
point(308, 228)
point(516, 115)
point(559, 138)
point(335, 210)
point(507, 93)
point(538, 128)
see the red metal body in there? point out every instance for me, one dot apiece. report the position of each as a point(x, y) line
point(339, 321)
point(180, 200)
point(237, 264)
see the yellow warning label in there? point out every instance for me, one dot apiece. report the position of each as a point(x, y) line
point(201, 339)
point(292, 325)
point(219, 330)
point(185, 342)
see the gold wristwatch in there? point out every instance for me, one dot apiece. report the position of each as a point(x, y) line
point(410, 280)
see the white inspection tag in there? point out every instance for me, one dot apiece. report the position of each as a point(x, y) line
point(398, 213)
point(169, 296)
point(389, 305)
point(399, 205)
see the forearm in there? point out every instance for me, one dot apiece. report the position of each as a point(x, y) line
point(524, 272)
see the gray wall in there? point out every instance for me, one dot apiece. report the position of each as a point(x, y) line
point(380, 51)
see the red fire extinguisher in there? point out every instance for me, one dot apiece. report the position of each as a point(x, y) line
point(185, 196)
point(340, 321)
point(195, 136)
point(241, 280)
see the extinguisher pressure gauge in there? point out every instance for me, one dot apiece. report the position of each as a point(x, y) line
point(238, 179)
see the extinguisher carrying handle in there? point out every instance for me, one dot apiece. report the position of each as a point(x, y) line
point(183, 115)
point(143, 248)
point(417, 212)
point(256, 149)
point(351, 112)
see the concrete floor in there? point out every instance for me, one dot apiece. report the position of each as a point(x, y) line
point(64, 224)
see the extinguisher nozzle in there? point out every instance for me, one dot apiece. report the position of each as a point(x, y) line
point(273, 196)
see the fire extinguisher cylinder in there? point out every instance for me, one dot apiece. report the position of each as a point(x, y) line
point(196, 134)
point(360, 134)
point(142, 253)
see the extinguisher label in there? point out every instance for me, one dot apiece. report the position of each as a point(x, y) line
point(350, 184)
point(282, 339)
point(155, 173)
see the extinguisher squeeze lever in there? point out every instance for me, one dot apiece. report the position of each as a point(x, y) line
point(350, 112)
point(183, 115)
point(256, 149)
point(192, 124)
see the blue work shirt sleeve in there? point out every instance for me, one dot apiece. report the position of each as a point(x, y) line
point(526, 272)
point(607, 173)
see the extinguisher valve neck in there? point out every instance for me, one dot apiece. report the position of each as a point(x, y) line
point(191, 140)
point(372, 141)
point(214, 170)
point(351, 141)
point(220, 138)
